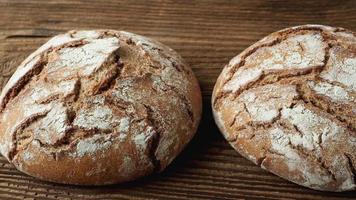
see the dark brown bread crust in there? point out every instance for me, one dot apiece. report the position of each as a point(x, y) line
point(98, 107)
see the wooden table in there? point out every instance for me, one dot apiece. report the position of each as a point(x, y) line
point(207, 34)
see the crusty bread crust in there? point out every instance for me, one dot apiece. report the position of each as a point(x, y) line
point(98, 107)
point(287, 103)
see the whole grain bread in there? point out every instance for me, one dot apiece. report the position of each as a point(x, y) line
point(98, 107)
point(287, 103)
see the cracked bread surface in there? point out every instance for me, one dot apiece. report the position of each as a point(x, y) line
point(98, 107)
point(287, 103)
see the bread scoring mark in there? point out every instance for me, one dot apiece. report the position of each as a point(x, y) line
point(38, 65)
point(260, 105)
point(334, 92)
point(108, 81)
point(44, 96)
point(54, 126)
point(104, 123)
point(156, 138)
point(297, 159)
point(86, 59)
point(17, 133)
point(308, 122)
point(47, 94)
point(31, 61)
point(343, 72)
point(301, 39)
point(300, 58)
point(273, 74)
point(32, 67)
point(340, 112)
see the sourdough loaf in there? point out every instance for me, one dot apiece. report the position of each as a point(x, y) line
point(98, 107)
point(287, 103)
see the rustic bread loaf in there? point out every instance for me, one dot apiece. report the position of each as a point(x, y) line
point(287, 103)
point(98, 107)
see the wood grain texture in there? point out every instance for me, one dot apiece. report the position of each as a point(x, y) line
point(207, 34)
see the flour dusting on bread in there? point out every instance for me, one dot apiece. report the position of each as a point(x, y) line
point(287, 103)
point(102, 101)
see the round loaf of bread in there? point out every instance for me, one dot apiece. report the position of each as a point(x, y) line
point(287, 103)
point(98, 107)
